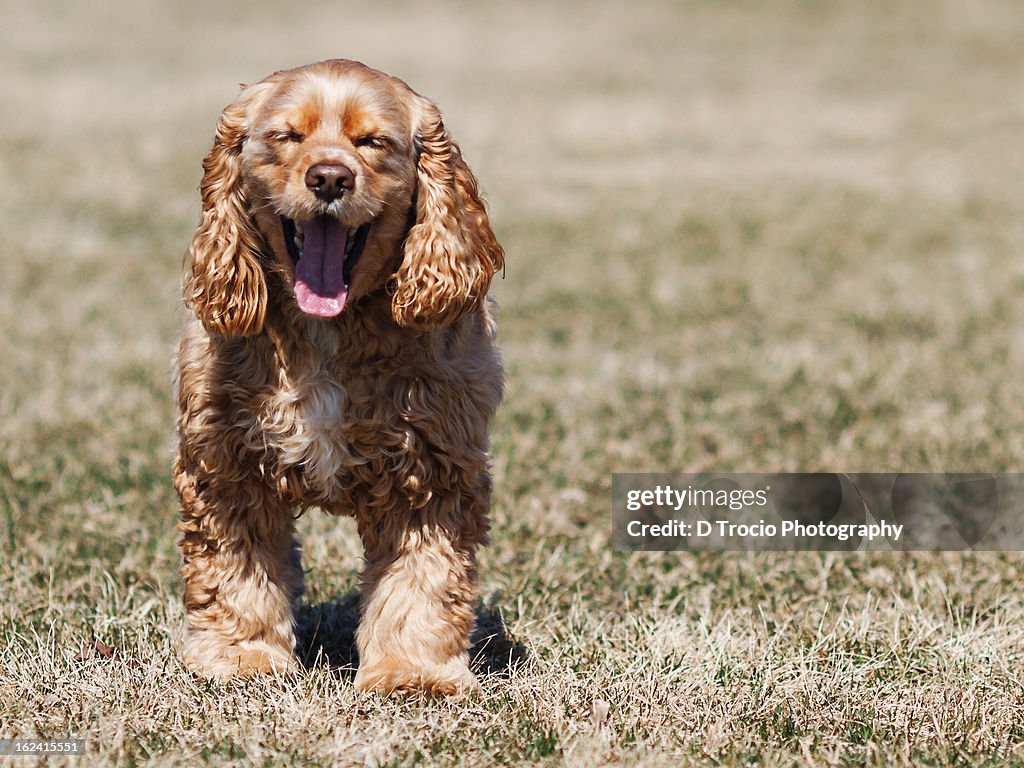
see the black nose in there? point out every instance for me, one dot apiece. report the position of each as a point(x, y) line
point(330, 180)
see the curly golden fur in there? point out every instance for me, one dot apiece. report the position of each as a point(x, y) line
point(339, 353)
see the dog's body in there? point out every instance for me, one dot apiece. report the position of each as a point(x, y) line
point(340, 354)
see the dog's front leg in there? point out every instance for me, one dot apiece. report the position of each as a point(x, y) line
point(241, 568)
point(419, 598)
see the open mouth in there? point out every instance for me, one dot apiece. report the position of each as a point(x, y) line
point(324, 252)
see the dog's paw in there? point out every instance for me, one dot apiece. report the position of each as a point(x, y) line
point(390, 675)
point(211, 657)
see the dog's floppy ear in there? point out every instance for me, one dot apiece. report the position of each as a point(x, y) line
point(450, 254)
point(227, 288)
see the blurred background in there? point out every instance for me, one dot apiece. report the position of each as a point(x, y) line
point(761, 236)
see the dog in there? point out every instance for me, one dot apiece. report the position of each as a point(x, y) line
point(338, 352)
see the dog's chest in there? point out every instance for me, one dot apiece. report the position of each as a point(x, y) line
point(305, 419)
point(305, 424)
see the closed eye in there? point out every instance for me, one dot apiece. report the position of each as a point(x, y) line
point(286, 135)
point(376, 142)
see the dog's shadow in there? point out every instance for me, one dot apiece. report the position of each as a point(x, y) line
point(326, 636)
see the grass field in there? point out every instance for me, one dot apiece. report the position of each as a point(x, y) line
point(741, 236)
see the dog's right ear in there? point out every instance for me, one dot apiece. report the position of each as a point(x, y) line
point(226, 287)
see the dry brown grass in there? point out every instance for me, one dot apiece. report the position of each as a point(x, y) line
point(741, 236)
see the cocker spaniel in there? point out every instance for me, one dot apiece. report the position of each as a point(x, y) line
point(339, 353)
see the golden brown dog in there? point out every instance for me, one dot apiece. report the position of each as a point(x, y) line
point(339, 353)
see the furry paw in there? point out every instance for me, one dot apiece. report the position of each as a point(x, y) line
point(390, 675)
point(210, 657)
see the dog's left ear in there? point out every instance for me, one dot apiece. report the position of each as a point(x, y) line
point(450, 254)
point(226, 287)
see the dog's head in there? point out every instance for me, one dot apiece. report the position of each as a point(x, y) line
point(344, 180)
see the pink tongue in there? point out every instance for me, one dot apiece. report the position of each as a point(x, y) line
point(319, 280)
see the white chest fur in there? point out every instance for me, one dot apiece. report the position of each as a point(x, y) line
point(304, 424)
